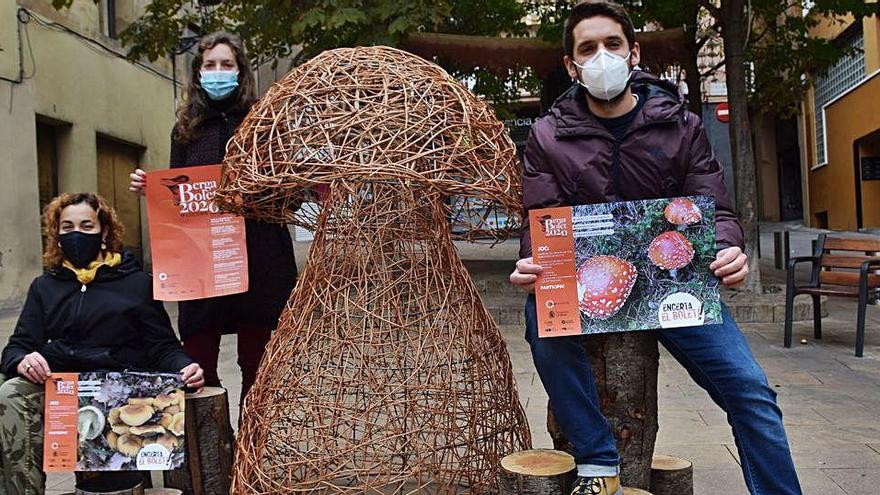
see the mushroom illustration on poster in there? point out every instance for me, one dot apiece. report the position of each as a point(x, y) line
point(623, 266)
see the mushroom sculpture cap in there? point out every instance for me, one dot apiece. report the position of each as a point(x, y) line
point(607, 282)
point(370, 114)
point(682, 211)
point(670, 250)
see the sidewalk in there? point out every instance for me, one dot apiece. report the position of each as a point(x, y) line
point(830, 399)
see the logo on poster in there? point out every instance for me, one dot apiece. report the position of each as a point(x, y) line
point(197, 197)
point(64, 387)
point(680, 310)
point(153, 456)
point(556, 227)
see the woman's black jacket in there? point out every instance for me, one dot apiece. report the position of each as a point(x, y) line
point(113, 323)
point(271, 264)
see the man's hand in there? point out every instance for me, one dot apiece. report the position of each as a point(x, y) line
point(731, 265)
point(525, 274)
point(34, 368)
point(193, 376)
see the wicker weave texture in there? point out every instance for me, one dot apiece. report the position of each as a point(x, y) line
point(386, 373)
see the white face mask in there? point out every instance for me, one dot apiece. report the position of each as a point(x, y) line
point(605, 75)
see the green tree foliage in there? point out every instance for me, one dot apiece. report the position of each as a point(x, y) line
point(277, 29)
point(778, 51)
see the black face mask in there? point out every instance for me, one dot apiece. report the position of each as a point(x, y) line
point(80, 248)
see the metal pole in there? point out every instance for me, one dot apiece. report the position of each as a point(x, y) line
point(777, 251)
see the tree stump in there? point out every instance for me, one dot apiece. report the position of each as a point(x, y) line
point(209, 441)
point(135, 490)
point(625, 369)
point(537, 472)
point(672, 476)
point(112, 482)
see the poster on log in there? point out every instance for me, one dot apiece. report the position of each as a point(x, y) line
point(198, 251)
point(628, 265)
point(114, 421)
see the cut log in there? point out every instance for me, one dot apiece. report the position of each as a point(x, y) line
point(625, 369)
point(111, 482)
point(136, 490)
point(209, 443)
point(672, 476)
point(537, 472)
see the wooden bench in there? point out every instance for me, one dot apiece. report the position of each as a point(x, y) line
point(844, 267)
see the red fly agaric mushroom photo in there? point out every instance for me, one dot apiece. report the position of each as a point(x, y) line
point(606, 282)
point(670, 250)
point(682, 212)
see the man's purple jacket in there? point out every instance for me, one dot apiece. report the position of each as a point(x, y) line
point(571, 159)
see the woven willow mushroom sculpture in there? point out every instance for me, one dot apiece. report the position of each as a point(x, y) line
point(386, 374)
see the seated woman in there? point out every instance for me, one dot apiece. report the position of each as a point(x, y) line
point(93, 309)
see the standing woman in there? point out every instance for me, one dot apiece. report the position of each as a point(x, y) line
point(218, 95)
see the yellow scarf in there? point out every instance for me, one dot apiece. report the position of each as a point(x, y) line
point(86, 275)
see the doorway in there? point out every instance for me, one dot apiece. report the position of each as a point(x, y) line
point(116, 160)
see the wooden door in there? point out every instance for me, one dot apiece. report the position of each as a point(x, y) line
point(115, 162)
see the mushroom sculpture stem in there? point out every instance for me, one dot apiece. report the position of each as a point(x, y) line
point(386, 374)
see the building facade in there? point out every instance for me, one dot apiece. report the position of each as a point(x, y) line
point(840, 132)
point(75, 115)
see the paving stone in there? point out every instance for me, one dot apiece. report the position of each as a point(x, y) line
point(855, 481)
point(704, 456)
point(719, 481)
point(815, 481)
point(853, 456)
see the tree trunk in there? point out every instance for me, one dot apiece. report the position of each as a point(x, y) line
point(692, 70)
point(672, 476)
point(733, 31)
point(209, 442)
point(625, 368)
point(537, 472)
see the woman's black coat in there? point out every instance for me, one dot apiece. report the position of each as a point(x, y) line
point(271, 264)
point(112, 323)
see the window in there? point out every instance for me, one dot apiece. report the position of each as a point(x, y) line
point(843, 75)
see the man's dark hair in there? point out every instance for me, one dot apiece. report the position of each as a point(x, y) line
point(593, 8)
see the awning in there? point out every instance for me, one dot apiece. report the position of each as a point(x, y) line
point(659, 50)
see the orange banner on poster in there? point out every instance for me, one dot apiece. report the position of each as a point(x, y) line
point(556, 294)
point(60, 423)
point(198, 252)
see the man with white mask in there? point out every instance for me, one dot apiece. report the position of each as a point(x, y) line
point(622, 134)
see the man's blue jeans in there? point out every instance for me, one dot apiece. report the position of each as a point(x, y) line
point(716, 356)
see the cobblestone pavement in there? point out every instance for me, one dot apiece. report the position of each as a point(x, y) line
point(830, 399)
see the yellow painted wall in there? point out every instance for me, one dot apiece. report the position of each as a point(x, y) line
point(831, 28)
point(96, 93)
point(832, 187)
point(871, 188)
point(871, 29)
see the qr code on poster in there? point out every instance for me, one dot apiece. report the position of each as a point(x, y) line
point(64, 387)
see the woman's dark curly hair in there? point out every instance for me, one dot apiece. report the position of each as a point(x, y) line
point(111, 227)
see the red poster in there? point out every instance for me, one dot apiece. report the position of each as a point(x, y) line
point(198, 252)
point(59, 425)
point(556, 289)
